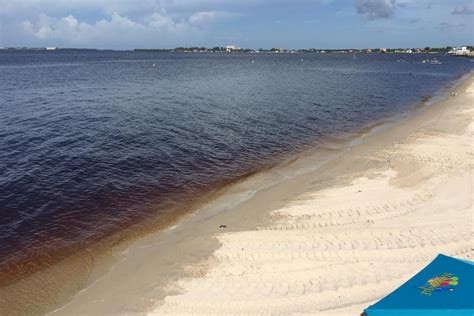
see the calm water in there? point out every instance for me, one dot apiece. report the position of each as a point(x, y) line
point(92, 142)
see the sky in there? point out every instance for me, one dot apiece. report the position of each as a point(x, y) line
point(128, 24)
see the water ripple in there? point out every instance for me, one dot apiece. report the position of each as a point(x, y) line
point(93, 142)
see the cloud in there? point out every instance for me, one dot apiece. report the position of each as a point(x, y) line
point(132, 8)
point(125, 24)
point(129, 23)
point(158, 29)
point(376, 9)
point(113, 23)
point(463, 10)
point(203, 17)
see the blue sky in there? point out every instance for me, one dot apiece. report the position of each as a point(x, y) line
point(126, 24)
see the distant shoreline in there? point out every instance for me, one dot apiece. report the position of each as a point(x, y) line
point(442, 50)
point(221, 50)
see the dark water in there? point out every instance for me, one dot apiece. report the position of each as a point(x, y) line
point(92, 142)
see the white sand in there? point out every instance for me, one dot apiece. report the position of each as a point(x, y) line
point(336, 250)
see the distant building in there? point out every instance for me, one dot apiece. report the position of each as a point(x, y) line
point(369, 50)
point(230, 48)
point(51, 48)
point(383, 50)
point(460, 51)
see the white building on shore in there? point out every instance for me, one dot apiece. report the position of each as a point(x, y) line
point(230, 48)
point(460, 51)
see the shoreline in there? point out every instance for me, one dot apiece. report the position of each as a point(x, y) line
point(342, 245)
point(196, 250)
point(222, 207)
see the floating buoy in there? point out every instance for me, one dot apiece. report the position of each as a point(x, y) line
point(253, 61)
point(153, 65)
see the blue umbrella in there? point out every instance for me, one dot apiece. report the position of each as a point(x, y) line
point(444, 287)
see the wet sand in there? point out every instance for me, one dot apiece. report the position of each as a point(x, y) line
point(326, 233)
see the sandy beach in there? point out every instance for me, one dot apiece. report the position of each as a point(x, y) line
point(177, 157)
point(326, 233)
point(337, 249)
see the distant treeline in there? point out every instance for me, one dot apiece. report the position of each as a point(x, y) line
point(188, 49)
point(218, 49)
point(197, 49)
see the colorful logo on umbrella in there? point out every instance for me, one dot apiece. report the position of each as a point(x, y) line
point(445, 282)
